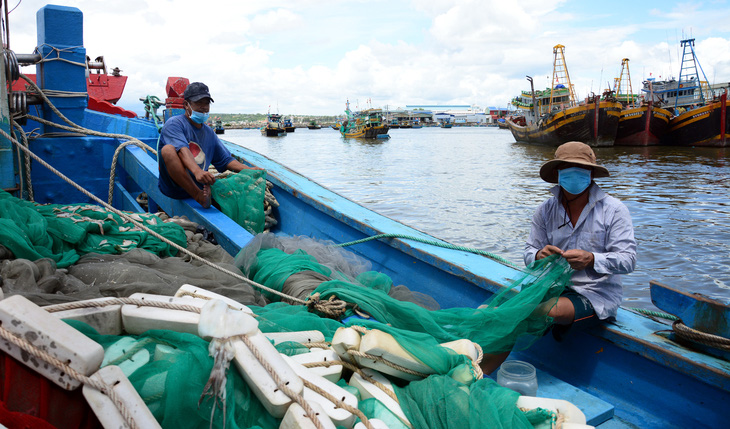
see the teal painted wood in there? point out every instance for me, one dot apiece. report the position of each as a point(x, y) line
point(695, 310)
point(595, 409)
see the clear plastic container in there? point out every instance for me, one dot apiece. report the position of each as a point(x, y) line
point(518, 376)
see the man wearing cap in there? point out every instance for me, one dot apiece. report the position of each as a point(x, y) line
point(187, 148)
point(591, 230)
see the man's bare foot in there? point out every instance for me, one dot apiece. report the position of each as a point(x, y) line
point(204, 197)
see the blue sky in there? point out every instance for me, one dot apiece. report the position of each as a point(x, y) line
point(310, 56)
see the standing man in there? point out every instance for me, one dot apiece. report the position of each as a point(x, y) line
point(591, 230)
point(187, 148)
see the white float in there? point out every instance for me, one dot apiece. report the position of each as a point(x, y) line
point(296, 418)
point(50, 334)
point(370, 390)
point(572, 415)
point(331, 373)
point(259, 380)
point(301, 337)
point(345, 339)
point(139, 319)
point(106, 410)
point(191, 291)
point(339, 416)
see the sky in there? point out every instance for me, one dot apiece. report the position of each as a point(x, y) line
point(308, 57)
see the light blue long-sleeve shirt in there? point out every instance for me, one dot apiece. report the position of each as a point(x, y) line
point(603, 228)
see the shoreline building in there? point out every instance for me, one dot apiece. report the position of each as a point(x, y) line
point(460, 114)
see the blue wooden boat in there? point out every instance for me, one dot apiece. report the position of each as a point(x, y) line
point(627, 374)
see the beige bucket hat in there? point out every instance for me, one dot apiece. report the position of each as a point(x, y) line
point(574, 153)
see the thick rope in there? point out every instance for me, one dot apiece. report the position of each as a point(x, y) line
point(120, 301)
point(354, 368)
point(339, 403)
point(685, 332)
point(281, 385)
point(386, 362)
point(653, 313)
point(433, 243)
point(93, 382)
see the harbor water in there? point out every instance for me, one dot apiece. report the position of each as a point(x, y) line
point(477, 187)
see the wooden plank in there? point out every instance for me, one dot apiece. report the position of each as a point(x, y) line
point(695, 310)
point(595, 409)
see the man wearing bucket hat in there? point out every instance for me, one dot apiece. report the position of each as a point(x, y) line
point(188, 146)
point(591, 230)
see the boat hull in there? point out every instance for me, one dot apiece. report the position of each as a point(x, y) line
point(595, 124)
point(705, 126)
point(367, 132)
point(642, 126)
point(273, 132)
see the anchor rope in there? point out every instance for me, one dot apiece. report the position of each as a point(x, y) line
point(716, 341)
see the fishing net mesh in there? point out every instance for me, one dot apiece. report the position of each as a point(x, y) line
point(65, 232)
point(170, 369)
point(241, 197)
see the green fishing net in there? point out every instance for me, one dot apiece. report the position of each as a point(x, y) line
point(241, 197)
point(63, 233)
point(169, 370)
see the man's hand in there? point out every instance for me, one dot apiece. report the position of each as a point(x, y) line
point(547, 251)
point(578, 259)
point(204, 177)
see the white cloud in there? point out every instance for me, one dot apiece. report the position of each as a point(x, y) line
point(310, 56)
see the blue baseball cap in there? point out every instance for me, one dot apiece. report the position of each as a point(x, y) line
point(196, 91)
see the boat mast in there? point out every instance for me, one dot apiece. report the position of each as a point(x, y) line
point(560, 75)
point(691, 68)
point(624, 83)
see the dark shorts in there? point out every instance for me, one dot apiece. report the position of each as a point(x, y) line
point(585, 316)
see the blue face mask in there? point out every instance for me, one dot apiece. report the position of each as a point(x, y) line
point(574, 180)
point(199, 118)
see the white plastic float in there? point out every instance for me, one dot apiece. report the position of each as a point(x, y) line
point(302, 337)
point(296, 418)
point(343, 340)
point(382, 344)
point(573, 417)
point(200, 293)
point(331, 373)
point(370, 390)
point(106, 410)
point(48, 333)
point(140, 319)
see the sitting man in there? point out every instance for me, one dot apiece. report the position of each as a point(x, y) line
point(591, 230)
point(187, 148)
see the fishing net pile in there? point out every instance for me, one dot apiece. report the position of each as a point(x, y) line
point(170, 370)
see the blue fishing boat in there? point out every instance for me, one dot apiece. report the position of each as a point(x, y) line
point(630, 373)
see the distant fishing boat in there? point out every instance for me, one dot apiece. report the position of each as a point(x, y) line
point(640, 123)
point(288, 125)
point(701, 118)
point(553, 116)
point(314, 125)
point(446, 124)
point(219, 127)
point(273, 127)
point(364, 124)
